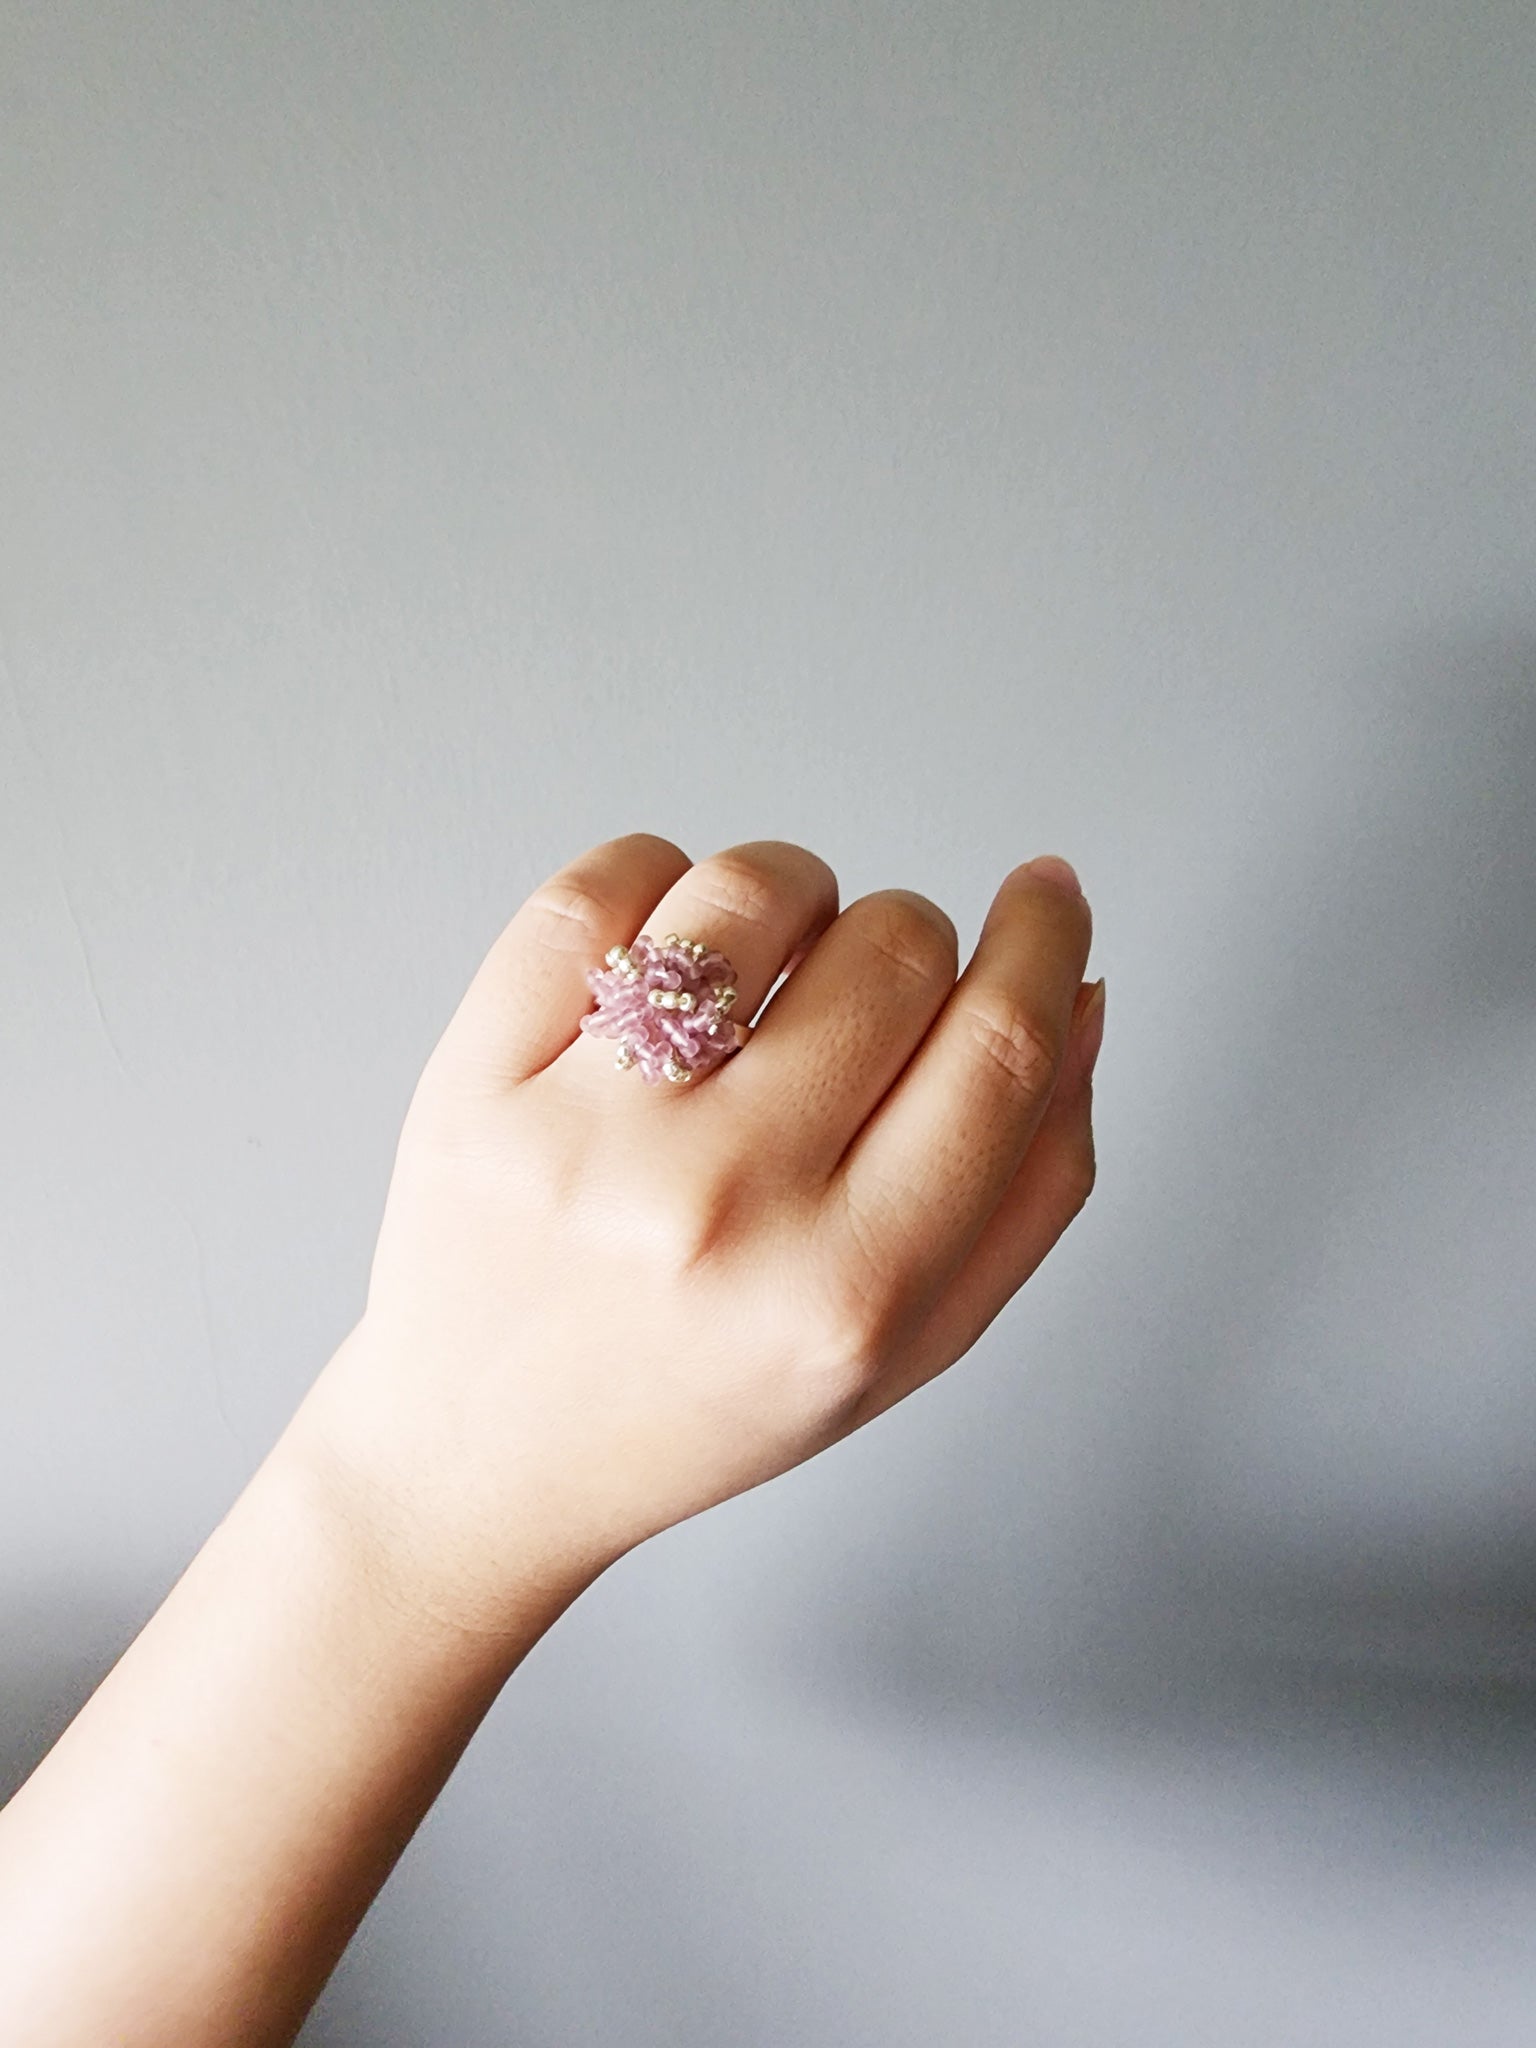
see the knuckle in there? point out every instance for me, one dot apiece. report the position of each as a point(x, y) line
point(680, 1236)
point(856, 1308)
point(856, 1311)
point(701, 1219)
point(666, 850)
point(779, 856)
point(1067, 908)
point(849, 1337)
point(1014, 1042)
point(777, 866)
point(453, 1138)
point(910, 934)
point(567, 915)
point(736, 887)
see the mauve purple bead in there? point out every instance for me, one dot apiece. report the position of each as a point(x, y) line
point(657, 1035)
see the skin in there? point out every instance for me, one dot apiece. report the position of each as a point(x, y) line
point(788, 1247)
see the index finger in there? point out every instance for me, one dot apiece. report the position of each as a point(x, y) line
point(920, 1180)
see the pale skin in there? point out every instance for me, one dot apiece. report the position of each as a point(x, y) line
point(791, 1245)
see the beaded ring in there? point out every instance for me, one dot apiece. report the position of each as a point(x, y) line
point(667, 1003)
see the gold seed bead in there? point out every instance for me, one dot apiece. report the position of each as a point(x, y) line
point(656, 997)
point(724, 997)
point(674, 1072)
point(683, 1001)
point(625, 1056)
point(670, 939)
point(616, 956)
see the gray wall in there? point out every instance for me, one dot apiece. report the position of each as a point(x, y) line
point(435, 439)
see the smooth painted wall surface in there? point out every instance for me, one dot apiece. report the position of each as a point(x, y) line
point(437, 438)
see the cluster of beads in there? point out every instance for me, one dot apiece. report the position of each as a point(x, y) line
point(667, 1005)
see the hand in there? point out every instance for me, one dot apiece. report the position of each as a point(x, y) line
point(598, 1306)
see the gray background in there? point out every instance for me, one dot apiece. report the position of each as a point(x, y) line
point(435, 439)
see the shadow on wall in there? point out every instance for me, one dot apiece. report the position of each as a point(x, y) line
point(1307, 1503)
point(57, 1650)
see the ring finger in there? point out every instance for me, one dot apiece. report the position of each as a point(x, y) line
point(761, 903)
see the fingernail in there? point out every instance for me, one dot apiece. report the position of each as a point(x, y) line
point(1089, 1019)
point(1050, 867)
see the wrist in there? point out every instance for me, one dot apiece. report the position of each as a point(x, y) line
point(189, 1859)
point(448, 1564)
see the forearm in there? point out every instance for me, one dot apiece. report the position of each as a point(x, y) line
point(186, 1865)
point(590, 1315)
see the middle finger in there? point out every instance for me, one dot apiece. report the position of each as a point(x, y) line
point(844, 1026)
point(759, 903)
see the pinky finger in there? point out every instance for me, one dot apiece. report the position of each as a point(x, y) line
point(1054, 1180)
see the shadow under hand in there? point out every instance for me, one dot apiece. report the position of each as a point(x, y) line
point(1305, 1505)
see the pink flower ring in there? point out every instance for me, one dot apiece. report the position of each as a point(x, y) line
point(667, 1004)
